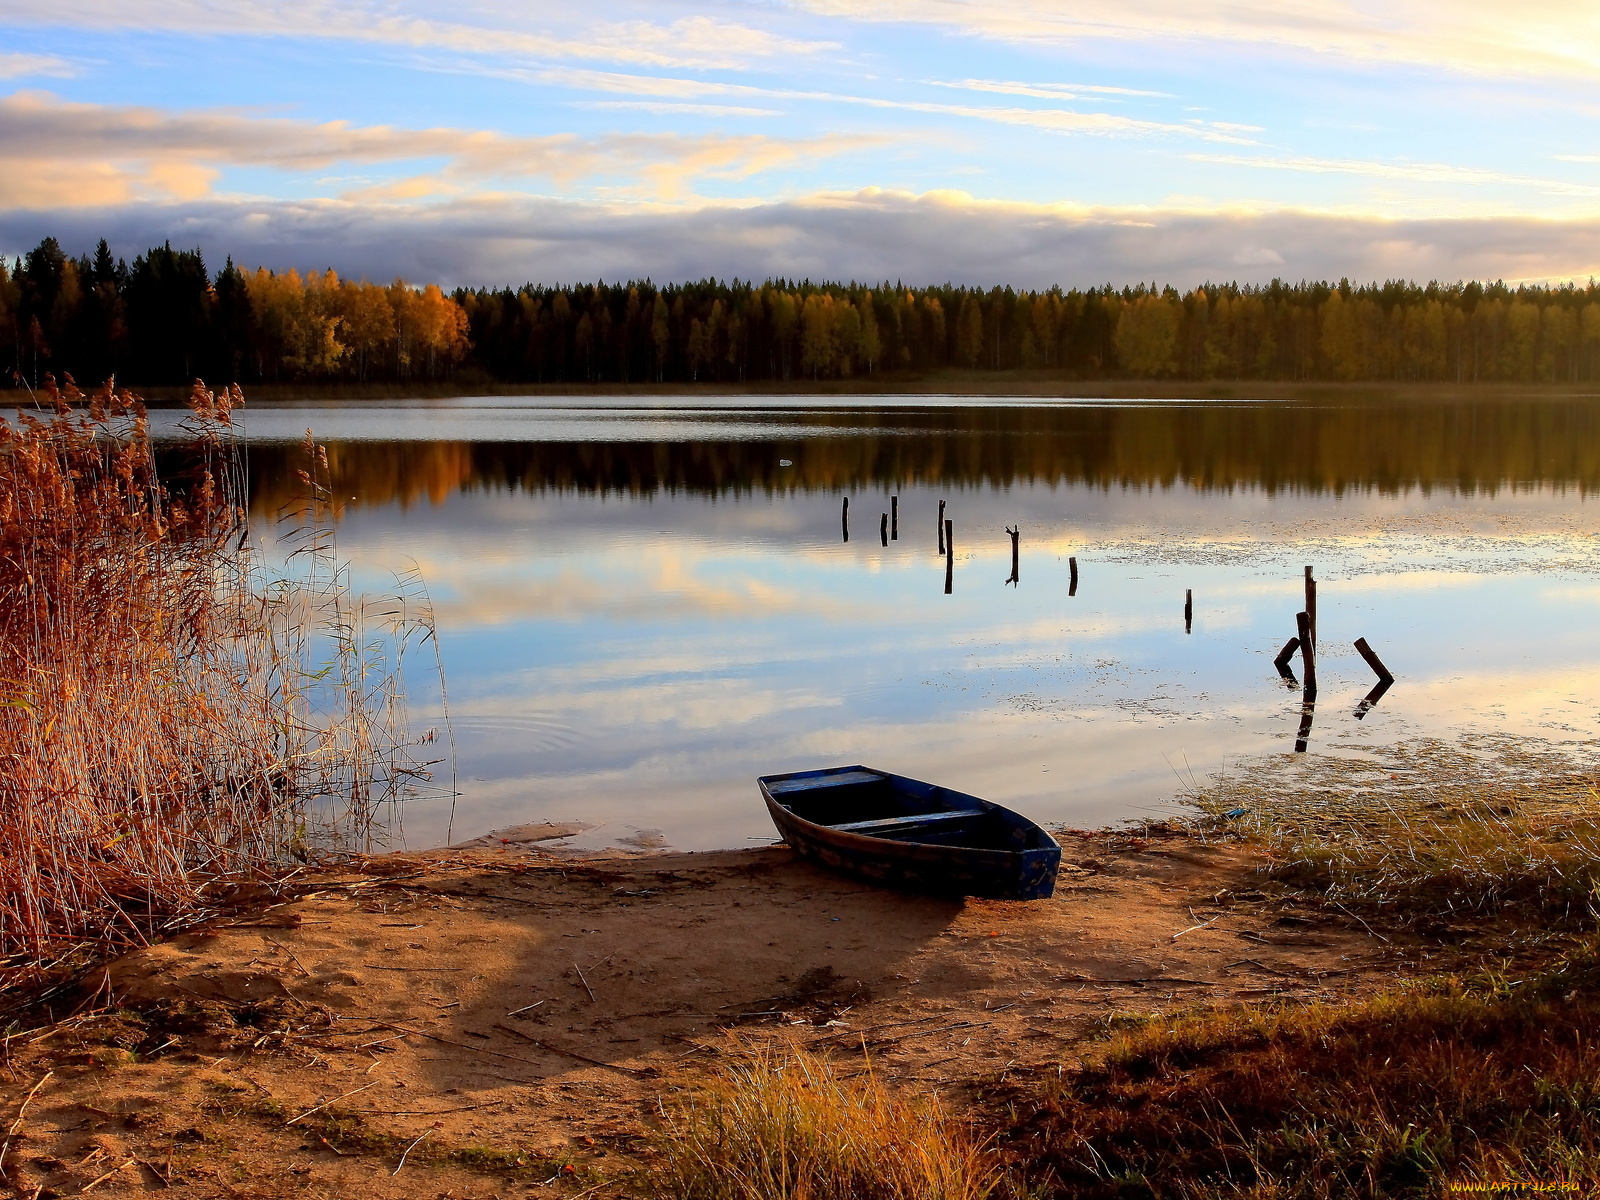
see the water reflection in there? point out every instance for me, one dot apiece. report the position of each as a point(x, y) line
point(635, 629)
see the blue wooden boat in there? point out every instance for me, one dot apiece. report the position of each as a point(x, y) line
point(907, 834)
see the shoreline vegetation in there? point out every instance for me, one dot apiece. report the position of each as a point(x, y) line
point(167, 318)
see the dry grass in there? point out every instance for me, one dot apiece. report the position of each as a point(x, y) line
point(1490, 1080)
point(1425, 832)
point(778, 1124)
point(167, 718)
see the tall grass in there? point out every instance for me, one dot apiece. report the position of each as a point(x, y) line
point(776, 1124)
point(165, 716)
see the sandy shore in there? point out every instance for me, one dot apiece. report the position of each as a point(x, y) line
point(524, 1014)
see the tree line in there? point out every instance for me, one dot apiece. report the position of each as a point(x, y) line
point(1466, 446)
point(165, 320)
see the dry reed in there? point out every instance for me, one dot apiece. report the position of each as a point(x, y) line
point(784, 1124)
point(164, 721)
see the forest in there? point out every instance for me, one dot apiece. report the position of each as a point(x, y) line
point(166, 319)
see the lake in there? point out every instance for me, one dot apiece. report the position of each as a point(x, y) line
point(643, 604)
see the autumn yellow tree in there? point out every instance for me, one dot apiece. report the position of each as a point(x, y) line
point(1146, 338)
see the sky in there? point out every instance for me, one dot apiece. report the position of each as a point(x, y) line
point(1021, 142)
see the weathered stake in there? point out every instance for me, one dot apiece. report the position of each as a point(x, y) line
point(844, 519)
point(1308, 708)
point(1308, 657)
point(883, 529)
point(1072, 565)
point(1282, 661)
point(941, 527)
point(1188, 610)
point(1311, 606)
point(894, 517)
point(1373, 661)
point(949, 556)
point(1015, 534)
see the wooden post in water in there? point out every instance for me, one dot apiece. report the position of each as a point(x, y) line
point(1072, 565)
point(844, 518)
point(1188, 610)
point(1308, 656)
point(1374, 661)
point(1015, 534)
point(941, 527)
point(1308, 708)
point(1282, 661)
point(883, 529)
point(1311, 606)
point(949, 556)
point(894, 517)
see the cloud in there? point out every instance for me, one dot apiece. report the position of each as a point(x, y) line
point(17, 66)
point(1052, 120)
point(1417, 172)
point(1043, 91)
point(661, 107)
point(118, 153)
point(926, 238)
point(1480, 37)
point(696, 42)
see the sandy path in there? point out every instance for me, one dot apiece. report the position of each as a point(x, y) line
point(408, 986)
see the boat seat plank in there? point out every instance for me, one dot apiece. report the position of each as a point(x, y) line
point(903, 822)
point(784, 787)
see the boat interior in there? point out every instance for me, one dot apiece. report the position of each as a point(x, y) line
point(879, 806)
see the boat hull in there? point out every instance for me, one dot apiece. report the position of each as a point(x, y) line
point(1023, 869)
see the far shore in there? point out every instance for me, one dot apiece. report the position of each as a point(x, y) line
point(977, 384)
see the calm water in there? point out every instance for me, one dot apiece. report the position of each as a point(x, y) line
point(641, 608)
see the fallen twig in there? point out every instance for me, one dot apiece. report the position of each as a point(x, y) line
point(585, 982)
point(418, 1112)
point(1202, 924)
point(433, 1037)
point(870, 1028)
point(290, 953)
point(517, 1033)
point(1364, 925)
point(409, 1149)
point(325, 1103)
point(94, 1183)
point(927, 1032)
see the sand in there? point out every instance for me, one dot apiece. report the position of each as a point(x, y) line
point(527, 1015)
